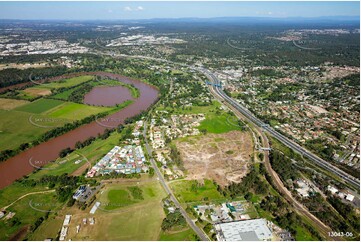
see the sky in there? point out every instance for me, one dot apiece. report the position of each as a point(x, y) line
point(147, 10)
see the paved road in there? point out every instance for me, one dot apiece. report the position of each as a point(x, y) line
point(169, 192)
point(354, 182)
point(259, 125)
point(322, 163)
point(302, 210)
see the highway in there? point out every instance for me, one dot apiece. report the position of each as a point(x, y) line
point(354, 182)
point(169, 192)
point(286, 141)
point(260, 127)
point(301, 209)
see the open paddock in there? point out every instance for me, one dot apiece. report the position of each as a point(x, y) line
point(40, 106)
point(138, 221)
point(37, 91)
point(16, 129)
point(9, 104)
point(67, 82)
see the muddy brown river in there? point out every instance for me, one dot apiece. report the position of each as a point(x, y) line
point(22, 164)
point(107, 96)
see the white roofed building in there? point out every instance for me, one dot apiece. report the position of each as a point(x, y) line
point(246, 230)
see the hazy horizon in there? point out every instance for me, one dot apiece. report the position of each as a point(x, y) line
point(175, 10)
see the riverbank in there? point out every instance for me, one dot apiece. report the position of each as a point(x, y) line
point(18, 166)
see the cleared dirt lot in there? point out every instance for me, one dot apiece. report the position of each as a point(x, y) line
point(221, 157)
point(8, 104)
point(37, 91)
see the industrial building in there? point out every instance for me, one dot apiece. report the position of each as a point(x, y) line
point(246, 230)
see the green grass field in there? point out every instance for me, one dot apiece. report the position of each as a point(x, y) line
point(28, 214)
point(184, 192)
point(39, 106)
point(303, 235)
point(65, 94)
point(183, 235)
point(75, 111)
point(219, 123)
point(119, 198)
point(27, 122)
point(67, 82)
point(16, 129)
point(138, 221)
point(50, 229)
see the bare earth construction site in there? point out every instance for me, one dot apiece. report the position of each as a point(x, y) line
point(221, 157)
point(180, 121)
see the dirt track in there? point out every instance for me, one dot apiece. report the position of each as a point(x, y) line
point(221, 157)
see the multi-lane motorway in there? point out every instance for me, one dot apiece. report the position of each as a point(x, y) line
point(354, 182)
point(323, 229)
point(262, 126)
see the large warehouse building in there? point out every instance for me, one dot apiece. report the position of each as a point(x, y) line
point(246, 230)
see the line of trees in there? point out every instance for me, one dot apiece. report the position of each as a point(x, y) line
point(12, 76)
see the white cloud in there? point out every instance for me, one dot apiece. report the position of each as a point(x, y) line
point(130, 9)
